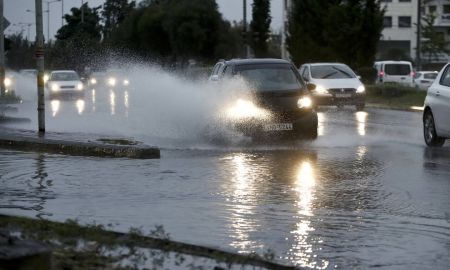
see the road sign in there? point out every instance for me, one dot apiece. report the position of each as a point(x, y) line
point(6, 23)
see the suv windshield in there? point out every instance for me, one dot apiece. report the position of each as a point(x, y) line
point(270, 77)
point(397, 69)
point(65, 76)
point(332, 72)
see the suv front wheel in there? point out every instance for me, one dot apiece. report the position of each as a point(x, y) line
point(429, 131)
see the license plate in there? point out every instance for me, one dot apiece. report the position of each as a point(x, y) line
point(278, 126)
point(343, 95)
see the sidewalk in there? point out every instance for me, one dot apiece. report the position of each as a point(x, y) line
point(77, 144)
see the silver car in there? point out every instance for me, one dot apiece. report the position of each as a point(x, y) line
point(436, 121)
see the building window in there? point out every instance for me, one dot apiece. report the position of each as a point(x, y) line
point(404, 0)
point(404, 21)
point(387, 22)
point(446, 9)
point(386, 0)
point(432, 9)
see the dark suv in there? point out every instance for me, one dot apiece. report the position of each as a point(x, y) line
point(279, 102)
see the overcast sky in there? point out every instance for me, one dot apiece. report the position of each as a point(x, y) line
point(16, 13)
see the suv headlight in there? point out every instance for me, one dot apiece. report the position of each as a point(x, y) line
point(112, 81)
point(126, 82)
point(304, 102)
point(79, 86)
point(321, 90)
point(93, 81)
point(361, 89)
point(7, 82)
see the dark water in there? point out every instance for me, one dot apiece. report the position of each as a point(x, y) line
point(366, 194)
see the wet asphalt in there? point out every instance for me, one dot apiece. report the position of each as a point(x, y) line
point(367, 193)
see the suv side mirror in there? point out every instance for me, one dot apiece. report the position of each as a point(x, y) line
point(310, 86)
point(214, 78)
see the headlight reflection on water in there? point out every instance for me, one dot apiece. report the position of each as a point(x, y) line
point(305, 187)
point(80, 106)
point(361, 118)
point(55, 104)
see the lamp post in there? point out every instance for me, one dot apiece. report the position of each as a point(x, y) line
point(62, 13)
point(48, 17)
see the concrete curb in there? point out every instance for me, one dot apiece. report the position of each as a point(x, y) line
point(34, 142)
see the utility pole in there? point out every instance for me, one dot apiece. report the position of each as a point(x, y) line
point(246, 47)
point(82, 11)
point(39, 54)
point(62, 13)
point(2, 53)
point(419, 34)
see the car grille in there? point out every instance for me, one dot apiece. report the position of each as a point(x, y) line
point(287, 116)
point(342, 90)
point(67, 86)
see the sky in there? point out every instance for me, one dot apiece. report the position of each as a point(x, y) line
point(16, 13)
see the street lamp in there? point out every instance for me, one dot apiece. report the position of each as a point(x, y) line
point(48, 16)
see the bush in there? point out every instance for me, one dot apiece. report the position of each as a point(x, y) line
point(390, 90)
point(368, 74)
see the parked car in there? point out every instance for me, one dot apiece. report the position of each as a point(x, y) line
point(281, 103)
point(334, 84)
point(217, 69)
point(423, 79)
point(400, 72)
point(64, 83)
point(436, 121)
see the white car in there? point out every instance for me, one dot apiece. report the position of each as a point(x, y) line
point(334, 84)
point(436, 121)
point(64, 82)
point(400, 72)
point(423, 79)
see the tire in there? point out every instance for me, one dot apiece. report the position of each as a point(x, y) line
point(360, 107)
point(429, 131)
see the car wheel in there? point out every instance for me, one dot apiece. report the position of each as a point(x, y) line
point(360, 107)
point(429, 131)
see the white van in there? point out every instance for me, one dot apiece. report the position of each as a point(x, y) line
point(395, 72)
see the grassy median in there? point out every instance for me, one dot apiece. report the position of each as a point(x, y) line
point(395, 96)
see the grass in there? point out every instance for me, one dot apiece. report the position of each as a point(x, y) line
point(100, 247)
point(395, 96)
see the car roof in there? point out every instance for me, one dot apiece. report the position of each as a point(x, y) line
point(258, 61)
point(325, 64)
point(393, 62)
point(63, 71)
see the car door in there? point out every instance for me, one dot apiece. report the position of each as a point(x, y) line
point(440, 101)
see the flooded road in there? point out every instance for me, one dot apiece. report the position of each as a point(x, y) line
point(366, 194)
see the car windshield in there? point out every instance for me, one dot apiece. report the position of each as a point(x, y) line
point(332, 72)
point(270, 77)
point(65, 76)
point(430, 76)
point(397, 69)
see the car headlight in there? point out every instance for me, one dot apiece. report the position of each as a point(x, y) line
point(93, 81)
point(112, 81)
point(304, 102)
point(246, 109)
point(126, 82)
point(321, 90)
point(46, 78)
point(361, 89)
point(54, 87)
point(7, 82)
point(79, 86)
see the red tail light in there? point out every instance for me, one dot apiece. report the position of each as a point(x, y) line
point(413, 74)
point(381, 74)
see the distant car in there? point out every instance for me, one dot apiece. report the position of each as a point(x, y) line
point(97, 79)
point(218, 68)
point(64, 83)
point(116, 78)
point(280, 103)
point(400, 72)
point(436, 120)
point(423, 79)
point(334, 84)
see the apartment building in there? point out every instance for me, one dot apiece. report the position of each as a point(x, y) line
point(441, 11)
point(399, 36)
